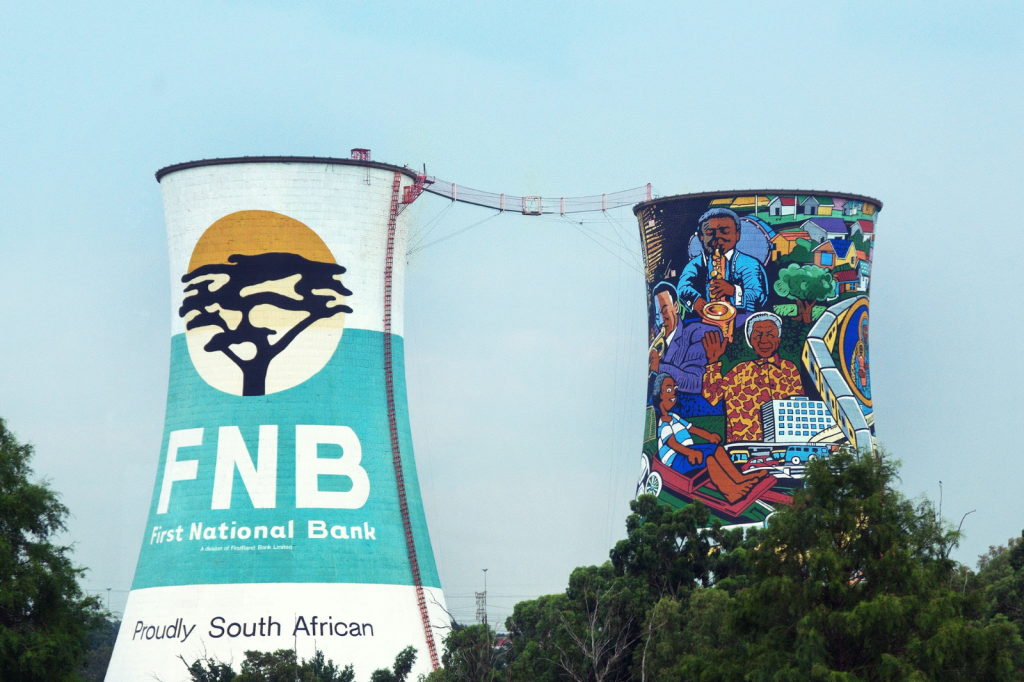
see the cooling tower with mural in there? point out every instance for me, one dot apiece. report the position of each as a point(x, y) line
point(286, 510)
point(758, 344)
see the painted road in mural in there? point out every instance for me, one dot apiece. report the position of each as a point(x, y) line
point(758, 330)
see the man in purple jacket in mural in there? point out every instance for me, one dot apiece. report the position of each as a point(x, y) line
point(684, 358)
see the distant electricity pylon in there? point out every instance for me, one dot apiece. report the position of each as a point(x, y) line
point(481, 602)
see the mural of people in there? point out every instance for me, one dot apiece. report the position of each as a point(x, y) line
point(720, 266)
point(677, 449)
point(750, 384)
point(743, 284)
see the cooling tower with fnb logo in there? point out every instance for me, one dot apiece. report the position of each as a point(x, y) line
point(286, 511)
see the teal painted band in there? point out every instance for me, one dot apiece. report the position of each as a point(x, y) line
point(349, 391)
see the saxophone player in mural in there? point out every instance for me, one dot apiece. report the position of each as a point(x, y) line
point(721, 272)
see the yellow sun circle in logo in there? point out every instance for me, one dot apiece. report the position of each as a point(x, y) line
point(256, 232)
point(264, 304)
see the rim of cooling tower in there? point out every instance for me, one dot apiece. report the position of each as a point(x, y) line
point(167, 170)
point(721, 194)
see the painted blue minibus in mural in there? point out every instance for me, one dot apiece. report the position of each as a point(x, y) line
point(801, 454)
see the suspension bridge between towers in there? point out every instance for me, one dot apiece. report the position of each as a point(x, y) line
point(536, 205)
point(527, 205)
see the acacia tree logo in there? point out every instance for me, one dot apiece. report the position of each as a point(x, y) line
point(264, 304)
point(309, 287)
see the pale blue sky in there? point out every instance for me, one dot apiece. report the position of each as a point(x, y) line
point(525, 340)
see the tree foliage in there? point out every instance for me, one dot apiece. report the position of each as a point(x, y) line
point(319, 669)
point(668, 548)
point(269, 666)
point(400, 670)
point(45, 619)
point(805, 284)
point(1001, 577)
point(853, 582)
point(588, 633)
point(473, 653)
point(209, 669)
point(283, 666)
point(100, 643)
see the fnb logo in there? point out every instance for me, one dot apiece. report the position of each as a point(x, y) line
point(260, 479)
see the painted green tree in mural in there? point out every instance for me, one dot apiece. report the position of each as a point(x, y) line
point(805, 284)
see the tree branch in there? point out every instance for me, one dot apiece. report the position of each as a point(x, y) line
point(206, 319)
point(300, 327)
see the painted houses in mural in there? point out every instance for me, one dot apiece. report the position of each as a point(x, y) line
point(784, 243)
point(758, 331)
point(834, 253)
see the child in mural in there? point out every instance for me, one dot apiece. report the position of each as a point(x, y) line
point(750, 384)
point(743, 284)
point(677, 450)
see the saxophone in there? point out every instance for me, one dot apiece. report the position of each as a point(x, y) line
point(658, 343)
point(719, 312)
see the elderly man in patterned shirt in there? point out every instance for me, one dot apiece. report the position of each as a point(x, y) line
point(750, 384)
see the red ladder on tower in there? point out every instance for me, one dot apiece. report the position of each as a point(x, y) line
point(396, 452)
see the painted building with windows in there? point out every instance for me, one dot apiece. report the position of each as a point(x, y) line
point(825, 205)
point(830, 228)
point(866, 228)
point(784, 243)
point(835, 252)
point(794, 420)
point(781, 206)
point(864, 272)
point(808, 206)
point(847, 281)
